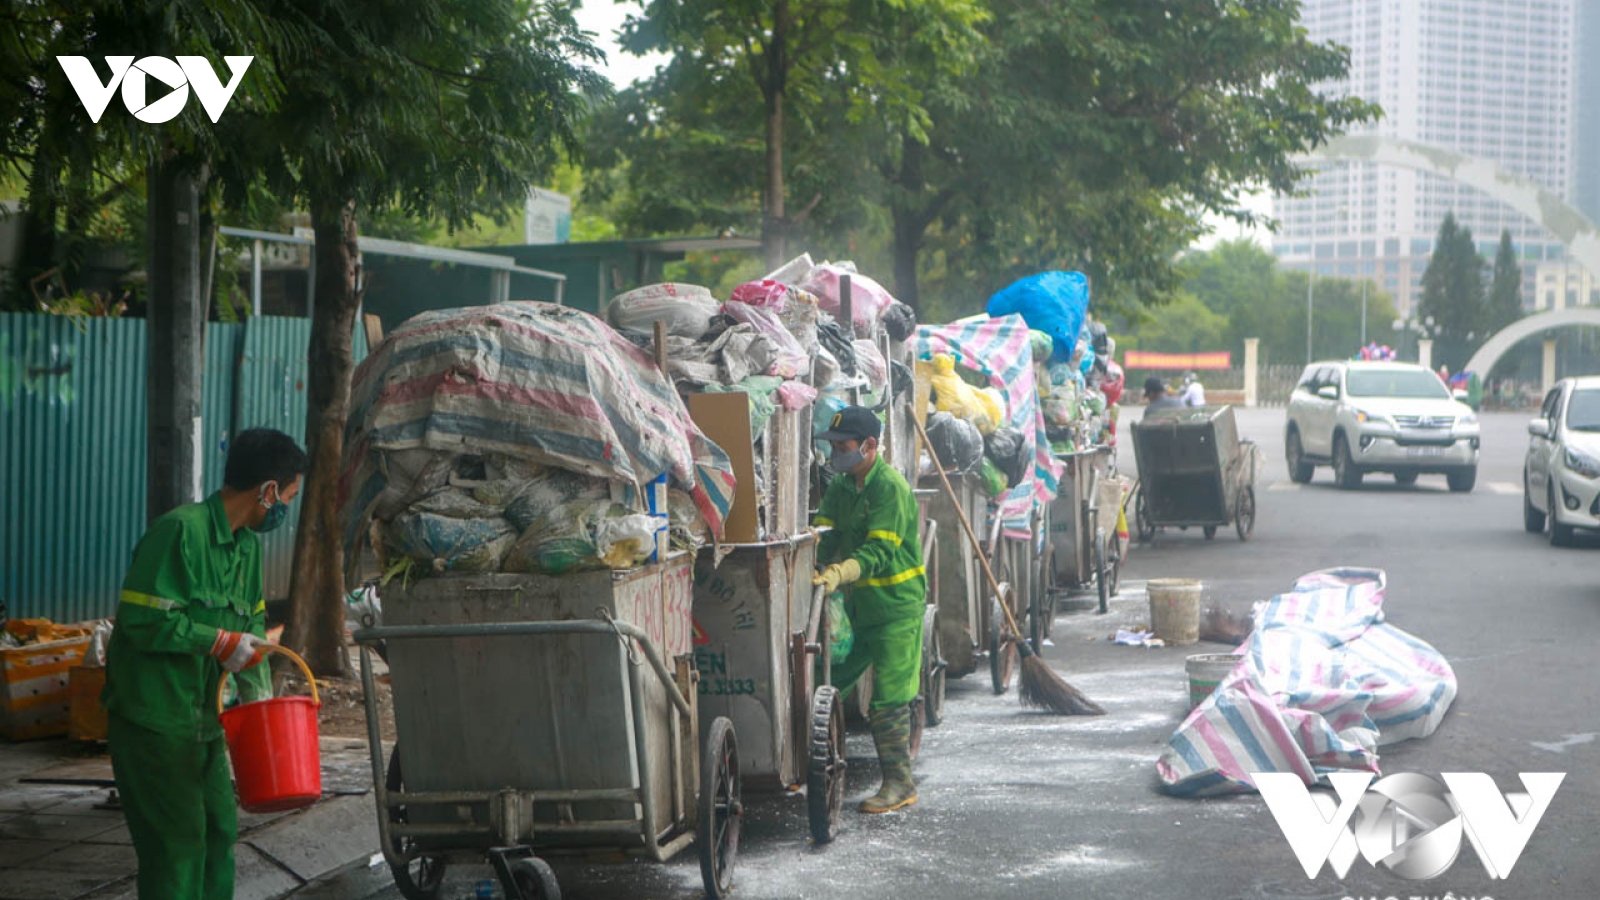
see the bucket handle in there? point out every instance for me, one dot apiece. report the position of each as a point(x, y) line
point(279, 648)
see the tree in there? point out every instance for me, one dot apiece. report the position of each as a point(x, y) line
point(434, 108)
point(1452, 294)
point(751, 82)
point(1505, 290)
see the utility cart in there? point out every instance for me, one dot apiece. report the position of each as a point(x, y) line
point(1085, 551)
point(1194, 471)
point(541, 715)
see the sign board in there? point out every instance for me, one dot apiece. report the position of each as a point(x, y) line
point(1143, 359)
point(547, 218)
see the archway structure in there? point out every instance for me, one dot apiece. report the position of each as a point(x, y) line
point(1580, 236)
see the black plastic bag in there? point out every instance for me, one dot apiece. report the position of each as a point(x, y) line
point(833, 338)
point(900, 321)
point(956, 443)
point(1005, 446)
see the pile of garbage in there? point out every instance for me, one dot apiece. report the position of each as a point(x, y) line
point(779, 339)
point(1079, 385)
point(523, 437)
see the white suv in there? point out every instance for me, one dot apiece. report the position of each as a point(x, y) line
point(1362, 417)
point(1561, 478)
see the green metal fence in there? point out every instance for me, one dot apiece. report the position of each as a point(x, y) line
point(72, 446)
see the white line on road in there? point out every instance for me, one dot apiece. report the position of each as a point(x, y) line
point(1280, 486)
point(1504, 487)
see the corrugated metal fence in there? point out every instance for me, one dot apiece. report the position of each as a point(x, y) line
point(72, 446)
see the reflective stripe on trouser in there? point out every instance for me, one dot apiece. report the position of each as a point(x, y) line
point(894, 651)
point(177, 798)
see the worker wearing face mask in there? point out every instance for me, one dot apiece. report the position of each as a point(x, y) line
point(192, 607)
point(873, 552)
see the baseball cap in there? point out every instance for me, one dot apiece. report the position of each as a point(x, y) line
point(853, 423)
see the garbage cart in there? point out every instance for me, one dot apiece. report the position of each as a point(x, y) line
point(1194, 471)
point(1085, 551)
point(542, 715)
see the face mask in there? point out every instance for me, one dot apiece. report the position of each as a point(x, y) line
point(276, 513)
point(843, 463)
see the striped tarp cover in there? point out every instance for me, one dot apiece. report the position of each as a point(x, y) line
point(531, 381)
point(1001, 349)
point(1324, 682)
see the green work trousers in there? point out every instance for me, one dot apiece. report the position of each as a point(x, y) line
point(177, 797)
point(894, 651)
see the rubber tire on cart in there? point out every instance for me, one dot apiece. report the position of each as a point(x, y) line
point(933, 666)
point(826, 765)
point(535, 880)
point(424, 881)
point(1141, 516)
point(721, 809)
point(1244, 515)
point(1210, 532)
point(1002, 646)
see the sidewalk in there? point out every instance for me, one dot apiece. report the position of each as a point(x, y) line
point(60, 839)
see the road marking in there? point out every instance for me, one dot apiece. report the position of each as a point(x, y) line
point(1505, 487)
point(1280, 486)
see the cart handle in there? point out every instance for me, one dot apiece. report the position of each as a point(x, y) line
point(517, 629)
point(279, 648)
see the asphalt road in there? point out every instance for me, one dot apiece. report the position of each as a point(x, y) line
point(1032, 806)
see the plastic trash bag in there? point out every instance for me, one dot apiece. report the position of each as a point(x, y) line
point(837, 346)
point(1053, 302)
point(623, 542)
point(768, 293)
point(1004, 446)
point(841, 634)
point(952, 395)
point(449, 544)
point(687, 309)
point(869, 300)
point(994, 480)
point(955, 442)
point(790, 359)
point(1042, 345)
point(871, 365)
point(900, 321)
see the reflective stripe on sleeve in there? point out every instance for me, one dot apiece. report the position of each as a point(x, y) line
point(894, 579)
point(150, 600)
point(261, 607)
point(824, 522)
point(889, 536)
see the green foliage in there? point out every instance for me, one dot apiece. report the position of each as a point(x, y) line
point(1244, 294)
point(1505, 289)
point(1453, 295)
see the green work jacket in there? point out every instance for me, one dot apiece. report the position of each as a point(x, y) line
point(191, 576)
point(877, 527)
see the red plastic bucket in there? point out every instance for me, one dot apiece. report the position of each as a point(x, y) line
point(277, 763)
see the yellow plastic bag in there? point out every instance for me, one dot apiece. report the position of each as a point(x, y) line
point(956, 397)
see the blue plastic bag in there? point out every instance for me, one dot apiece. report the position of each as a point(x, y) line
point(1053, 302)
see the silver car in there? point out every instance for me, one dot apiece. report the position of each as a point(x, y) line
point(1561, 477)
point(1362, 417)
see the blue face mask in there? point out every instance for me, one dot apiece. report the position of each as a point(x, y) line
point(277, 513)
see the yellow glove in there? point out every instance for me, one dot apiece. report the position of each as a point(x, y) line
point(838, 575)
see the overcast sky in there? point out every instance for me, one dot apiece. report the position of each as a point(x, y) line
point(604, 17)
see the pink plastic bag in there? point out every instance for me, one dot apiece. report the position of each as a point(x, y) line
point(869, 300)
point(792, 360)
point(771, 294)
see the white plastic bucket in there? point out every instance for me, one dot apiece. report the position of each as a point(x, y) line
point(1206, 671)
point(1175, 609)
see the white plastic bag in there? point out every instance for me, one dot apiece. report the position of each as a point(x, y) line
point(686, 308)
point(792, 359)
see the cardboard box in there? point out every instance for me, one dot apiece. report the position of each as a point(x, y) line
point(725, 419)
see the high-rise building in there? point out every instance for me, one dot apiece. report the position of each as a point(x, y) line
point(1492, 79)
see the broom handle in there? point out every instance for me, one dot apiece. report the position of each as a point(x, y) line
point(977, 546)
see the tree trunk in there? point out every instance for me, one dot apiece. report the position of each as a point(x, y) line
point(38, 229)
point(174, 327)
point(774, 220)
point(908, 232)
point(316, 587)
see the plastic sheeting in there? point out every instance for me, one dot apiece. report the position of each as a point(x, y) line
point(1053, 302)
point(1324, 682)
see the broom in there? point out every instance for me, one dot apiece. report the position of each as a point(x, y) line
point(1041, 687)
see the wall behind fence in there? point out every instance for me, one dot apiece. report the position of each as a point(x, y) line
point(72, 447)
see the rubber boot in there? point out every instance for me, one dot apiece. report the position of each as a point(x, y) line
point(891, 733)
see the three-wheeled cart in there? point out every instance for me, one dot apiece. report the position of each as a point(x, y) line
point(1085, 550)
point(541, 715)
point(1194, 471)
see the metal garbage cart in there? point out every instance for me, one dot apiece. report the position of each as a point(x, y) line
point(1085, 549)
point(1194, 471)
point(548, 715)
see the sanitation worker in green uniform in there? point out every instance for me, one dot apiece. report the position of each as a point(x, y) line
point(192, 606)
point(873, 552)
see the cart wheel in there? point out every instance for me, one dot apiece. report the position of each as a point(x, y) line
point(1002, 646)
point(826, 769)
point(1104, 571)
point(1210, 531)
point(721, 809)
point(1116, 550)
point(1245, 520)
point(933, 666)
point(535, 880)
point(420, 877)
point(930, 562)
point(1141, 515)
